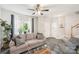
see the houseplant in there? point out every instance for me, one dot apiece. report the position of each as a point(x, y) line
point(6, 31)
point(23, 28)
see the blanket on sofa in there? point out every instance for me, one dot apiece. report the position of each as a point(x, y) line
point(60, 46)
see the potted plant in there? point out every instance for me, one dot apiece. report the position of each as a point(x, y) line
point(23, 28)
point(6, 30)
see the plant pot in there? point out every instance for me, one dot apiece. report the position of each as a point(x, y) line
point(5, 45)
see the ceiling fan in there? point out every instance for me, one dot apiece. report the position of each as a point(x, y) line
point(38, 9)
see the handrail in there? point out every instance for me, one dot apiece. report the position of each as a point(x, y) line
point(75, 25)
point(72, 28)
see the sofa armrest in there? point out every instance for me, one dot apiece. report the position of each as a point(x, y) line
point(13, 48)
point(19, 49)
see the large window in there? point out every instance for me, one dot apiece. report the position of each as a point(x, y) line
point(21, 24)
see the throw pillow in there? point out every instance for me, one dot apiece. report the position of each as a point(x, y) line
point(19, 41)
point(40, 36)
point(30, 36)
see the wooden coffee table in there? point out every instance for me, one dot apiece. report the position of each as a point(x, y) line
point(42, 51)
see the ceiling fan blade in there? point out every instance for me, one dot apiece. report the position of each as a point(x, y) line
point(45, 10)
point(31, 9)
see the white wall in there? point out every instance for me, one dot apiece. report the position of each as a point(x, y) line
point(35, 24)
point(56, 30)
point(70, 20)
point(50, 25)
point(0, 27)
point(0, 12)
point(44, 25)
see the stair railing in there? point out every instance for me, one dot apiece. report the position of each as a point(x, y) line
point(75, 26)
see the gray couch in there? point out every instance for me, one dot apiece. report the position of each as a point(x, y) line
point(27, 42)
point(61, 46)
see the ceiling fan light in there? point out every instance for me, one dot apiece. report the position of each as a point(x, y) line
point(38, 12)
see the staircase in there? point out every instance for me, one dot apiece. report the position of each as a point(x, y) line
point(75, 31)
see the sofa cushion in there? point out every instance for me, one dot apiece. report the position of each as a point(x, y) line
point(74, 40)
point(23, 37)
point(19, 41)
point(40, 36)
point(34, 43)
point(30, 36)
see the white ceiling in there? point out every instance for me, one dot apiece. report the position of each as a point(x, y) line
point(55, 9)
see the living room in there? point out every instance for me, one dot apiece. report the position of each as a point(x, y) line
point(40, 28)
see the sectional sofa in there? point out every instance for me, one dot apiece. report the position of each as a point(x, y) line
point(26, 42)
